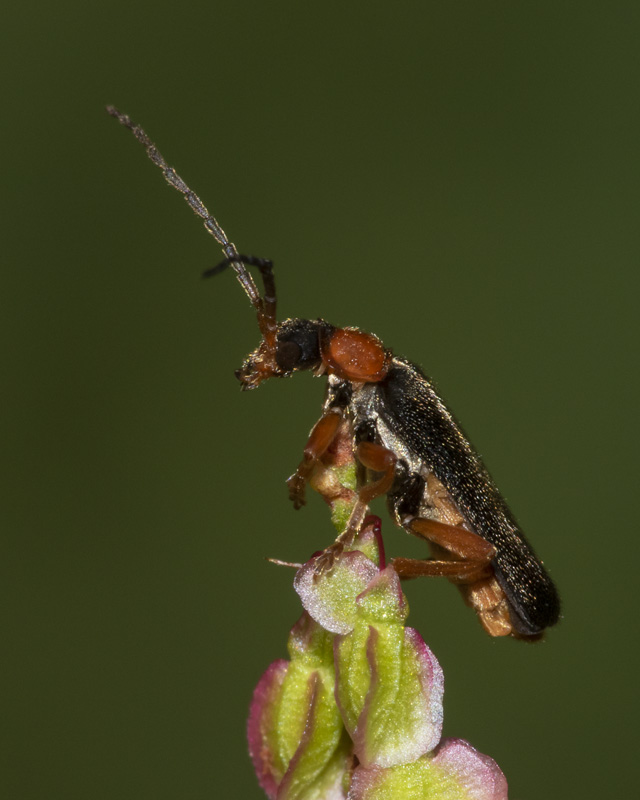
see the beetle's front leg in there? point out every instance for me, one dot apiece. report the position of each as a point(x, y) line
point(322, 435)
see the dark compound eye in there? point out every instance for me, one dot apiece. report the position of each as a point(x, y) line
point(288, 356)
point(298, 344)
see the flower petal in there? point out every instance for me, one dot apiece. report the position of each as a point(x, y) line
point(296, 737)
point(330, 598)
point(389, 685)
point(261, 728)
point(480, 776)
point(456, 772)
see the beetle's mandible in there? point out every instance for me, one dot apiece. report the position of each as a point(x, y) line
point(411, 447)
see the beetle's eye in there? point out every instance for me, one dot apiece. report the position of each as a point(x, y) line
point(288, 356)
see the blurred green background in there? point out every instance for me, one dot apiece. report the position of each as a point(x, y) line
point(461, 178)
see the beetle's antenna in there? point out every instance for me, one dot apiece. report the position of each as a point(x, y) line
point(264, 307)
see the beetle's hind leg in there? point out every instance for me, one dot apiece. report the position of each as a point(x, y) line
point(471, 555)
point(469, 567)
point(459, 554)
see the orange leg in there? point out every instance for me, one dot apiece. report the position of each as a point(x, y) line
point(320, 439)
point(472, 554)
point(470, 568)
point(377, 458)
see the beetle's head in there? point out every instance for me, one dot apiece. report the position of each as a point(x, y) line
point(296, 346)
point(286, 347)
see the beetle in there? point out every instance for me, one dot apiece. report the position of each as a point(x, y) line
point(402, 433)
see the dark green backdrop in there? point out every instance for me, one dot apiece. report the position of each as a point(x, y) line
point(462, 179)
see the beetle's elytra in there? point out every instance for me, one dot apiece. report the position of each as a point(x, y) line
point(436, 484)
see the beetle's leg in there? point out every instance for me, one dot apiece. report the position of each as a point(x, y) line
point(377, 458)
point(322, 435)
point(471, 570)
point(455, 571)
point(472, 554)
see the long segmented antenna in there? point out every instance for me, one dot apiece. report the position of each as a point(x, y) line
point(266, 307)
